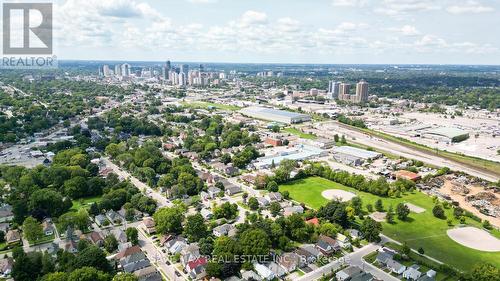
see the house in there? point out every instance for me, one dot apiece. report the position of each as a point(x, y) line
point(431, 273)
point(71, 246)
point(101, 220)
point(314, 221)
point(149, 225)
point(206, 213)
point(327, 245)
point(277, 270)
point(120, 235)
point(48, 227)
point(208, 178)
point(176, 245)
point(290, 210)
point(213, 192)
point(250, 275)
point(4, 226)
point(134, 261)
point(384, 256)
point(289, 261)
point(190, 253)
point(249, 178)
point(263, 202)
point(114, 217)
point(305, 255)
point(412, 273)
point(426, 278)
point(224, 230)
point(343, 241)
point(6, 266)
point(165, 238)
point(96, 238)
point(347, 273)
point(354, 233)
point(123, 246)
point(12, 236)
point(263, 271)
point(6, 213)
point(200, 261)
point(204, 196)
point(148, 274)
point(232, 190)
point(395, 266)
point(274, 197)
point(127, 252)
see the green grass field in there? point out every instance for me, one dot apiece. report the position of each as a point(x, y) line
point(84, 202)
point(206, 105)
point(421, 230)
point(300, 134)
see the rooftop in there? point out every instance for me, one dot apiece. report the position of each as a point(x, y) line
point(357, 152)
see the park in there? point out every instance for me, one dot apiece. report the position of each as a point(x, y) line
point(420, 230)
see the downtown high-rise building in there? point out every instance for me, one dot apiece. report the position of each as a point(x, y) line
point(344, 91)
point(125, 70)
point(118, 70)
point(106, 71)
point(362, 91)
point(333, 90)
point(185, 69)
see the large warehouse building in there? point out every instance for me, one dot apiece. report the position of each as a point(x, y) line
point(353, 156)
point(275, 115)
point(447, 134)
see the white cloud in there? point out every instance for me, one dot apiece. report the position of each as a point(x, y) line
point(202, 1)
point(349, 3)
point(406, 30)
point(253, 17)
point(403, 7)
point(472, 7)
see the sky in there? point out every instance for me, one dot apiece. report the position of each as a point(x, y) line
point(280, 31)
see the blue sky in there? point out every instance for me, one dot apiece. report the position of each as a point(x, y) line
point(281, 31)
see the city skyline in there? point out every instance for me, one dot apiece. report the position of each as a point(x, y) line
point(331, 32)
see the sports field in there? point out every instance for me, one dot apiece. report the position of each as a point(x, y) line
point(420, 230)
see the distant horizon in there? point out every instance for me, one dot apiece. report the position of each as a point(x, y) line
point(269, 63)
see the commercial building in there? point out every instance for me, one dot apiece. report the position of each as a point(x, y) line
point(447, 134)
point(275, 115)
point(353, 156)
point(299, 153)
point(344, 91)
point(333, 90)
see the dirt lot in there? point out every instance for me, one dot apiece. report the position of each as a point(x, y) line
point(450, 189)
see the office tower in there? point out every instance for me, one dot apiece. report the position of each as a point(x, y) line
point(344, 91)
point(106, 71)
point(125, 70)
point(182, 79)
point(362, 91)
point(118, 70)
point(333, 90)
point(168, 65)
point(185, 69)
point(202, 68)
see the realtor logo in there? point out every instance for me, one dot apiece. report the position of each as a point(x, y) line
point(27, 28)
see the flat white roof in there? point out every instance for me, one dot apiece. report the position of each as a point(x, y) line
point(357, 152)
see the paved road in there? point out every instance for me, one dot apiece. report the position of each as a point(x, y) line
point(354, 258)
point(330, 128)
point(162, 200)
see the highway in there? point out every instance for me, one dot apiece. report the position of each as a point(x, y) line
point(330, 128)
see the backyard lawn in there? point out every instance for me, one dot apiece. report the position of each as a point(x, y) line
point(84, 202)
point(421, 230)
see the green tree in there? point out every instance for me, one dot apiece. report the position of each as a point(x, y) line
point(32, 229)
point(438, 212)
point(357, 205)
point(169, 220)
point(389, 218)
point(379, 206)
point(484, 272)
point(125, 277)
point(275, 208)
point(110, 243)
point(56, 276)
point(88, 274)
point(272, 186)
point(254, 242)
point(253, 203)
point(132, 235)
point(93, 257)
point(195, 228)
point(371, 229)
point(402, 211)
